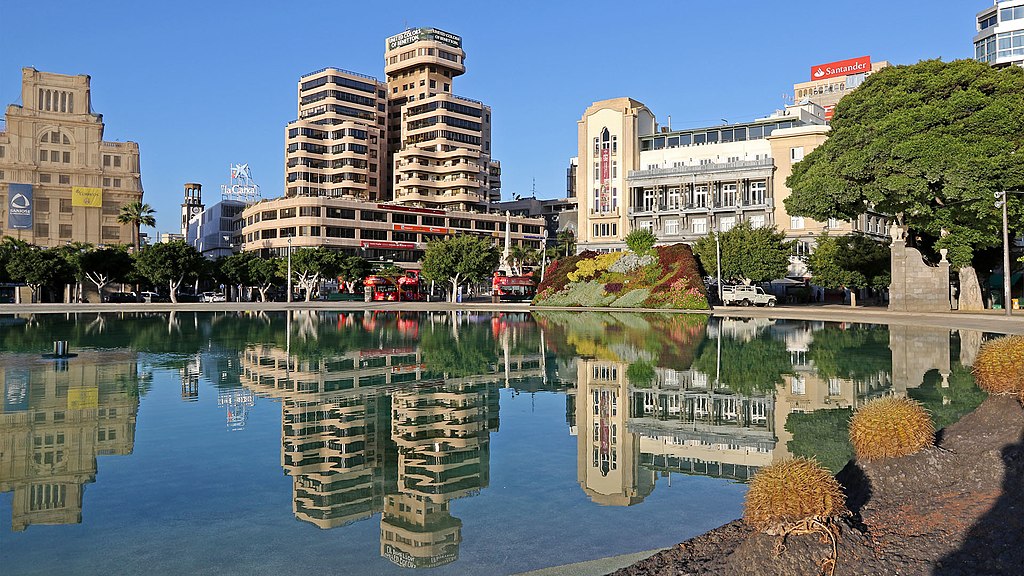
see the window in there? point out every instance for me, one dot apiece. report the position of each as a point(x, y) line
point(64, 179)
point(728, 194)
point(42, 229)
point(373, 216)
point(833, 223)
point(403, 218)
point(757, 192)
point(117, 182)
point(796, 222)
point(700, 226)
point(368, 234)
point(66, 157)
point(672, 227)
point(43, 155)
point(757, 221)
point(700, 196)
point(65, 206)
point(54, 156)
point(44, 178)
point(106, 159)
point(106, 181)
point(799, 386)
point(796, 154)
point(1, 151)
point(727, 223)
point(65, 231)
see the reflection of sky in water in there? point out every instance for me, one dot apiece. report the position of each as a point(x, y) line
point(197, 481)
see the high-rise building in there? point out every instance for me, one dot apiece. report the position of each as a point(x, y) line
point(1000, 37)
point(60, 180)
point(336, 147)
point(440, 143)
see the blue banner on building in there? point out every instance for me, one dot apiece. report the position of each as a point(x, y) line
point(19, 206)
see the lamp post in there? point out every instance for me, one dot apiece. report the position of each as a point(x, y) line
point(1006, 255)
point(289, 270)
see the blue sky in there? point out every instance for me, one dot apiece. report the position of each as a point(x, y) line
point(200, 85)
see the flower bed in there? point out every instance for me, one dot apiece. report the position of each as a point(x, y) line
point(669, 279)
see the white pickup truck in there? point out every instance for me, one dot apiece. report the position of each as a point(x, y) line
point(746, 295)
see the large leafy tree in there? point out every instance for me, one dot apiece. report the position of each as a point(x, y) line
point(249, 269)
point(566, 242)
point(931, 144)
point(850, 262)
point(138, 215)
point(352, 269)
point(311, 266)
point(459, 259)
point(748, 254)
point(39, 268)
point(171, 263)
point(9, 247)
point(749, 367)
point(105, 265)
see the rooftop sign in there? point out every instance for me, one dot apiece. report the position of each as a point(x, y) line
point(841, 68)
point(416, 34)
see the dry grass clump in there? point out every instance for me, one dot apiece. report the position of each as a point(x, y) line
point(793, 493)
point(890, 427)
point(999, 367)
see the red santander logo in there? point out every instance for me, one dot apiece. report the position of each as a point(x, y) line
point(841, 68)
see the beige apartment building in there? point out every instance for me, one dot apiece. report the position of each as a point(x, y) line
point(336, 147)
point(440, 143)
point(61, 182)
point(375, 231)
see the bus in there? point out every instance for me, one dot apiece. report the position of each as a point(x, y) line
point(512, 288)
point(406, 288)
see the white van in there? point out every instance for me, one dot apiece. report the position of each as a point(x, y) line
point(746, 295)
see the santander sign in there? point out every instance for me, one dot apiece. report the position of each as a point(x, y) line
point(841, 68)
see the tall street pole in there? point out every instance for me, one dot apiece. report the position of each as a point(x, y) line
point(1006, 260)
point(718, 258)
point(289, 270)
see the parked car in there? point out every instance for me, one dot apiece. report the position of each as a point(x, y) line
point(212, 297)
point(746, 295)
point(185, 297)
point(153, 297)
point(121, 297)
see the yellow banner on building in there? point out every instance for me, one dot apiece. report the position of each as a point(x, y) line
point(87, 197)
point(83, 398)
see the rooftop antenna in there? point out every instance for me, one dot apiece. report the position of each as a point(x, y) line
point(533, 190)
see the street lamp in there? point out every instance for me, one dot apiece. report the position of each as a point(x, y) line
point(289, 270)
point(1006, 254)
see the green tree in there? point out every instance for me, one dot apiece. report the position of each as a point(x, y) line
point(459, 259)
point(850, 353)
point(311, 266)
point(138, 215)
point(854, 261)
point(264, 273)
point(748, 254)
point(106, 265)
point(39, 268)
point(640, 241)
point(351, 270)
point(822, 435)
point(9, 247)
point(520, 256)
point(566, 242)
point(746, 367)
point(170, 263)
point(930, 144)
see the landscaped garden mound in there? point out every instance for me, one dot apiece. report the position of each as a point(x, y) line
point(663, 277)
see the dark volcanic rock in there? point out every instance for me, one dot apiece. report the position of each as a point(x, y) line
point(951, 510)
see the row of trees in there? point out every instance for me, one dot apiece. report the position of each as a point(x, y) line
point(763, 254)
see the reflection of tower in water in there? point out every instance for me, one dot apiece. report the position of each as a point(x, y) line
point(190, 373)
point(236, 403)
point(55, 420)
point(607, 453)
point(443, 438)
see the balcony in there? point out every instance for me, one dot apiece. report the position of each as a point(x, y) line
point(689, 208)
point(742, 168)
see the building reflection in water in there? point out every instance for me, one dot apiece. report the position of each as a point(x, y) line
point(378, 428)
point(722, 406)
point(57, 417)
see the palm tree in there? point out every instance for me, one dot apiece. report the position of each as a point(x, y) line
point(566, 242)
point(138, 215)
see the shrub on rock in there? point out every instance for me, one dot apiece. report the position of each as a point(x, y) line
point(890, 427)
point(999, 367)
point(789, 493)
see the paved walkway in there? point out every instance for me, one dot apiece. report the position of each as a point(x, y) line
point(598, 567)
point(987, 321)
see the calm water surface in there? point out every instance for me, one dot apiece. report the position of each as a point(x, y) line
point(376, 443)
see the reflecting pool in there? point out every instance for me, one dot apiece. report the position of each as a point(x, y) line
point(372, 443)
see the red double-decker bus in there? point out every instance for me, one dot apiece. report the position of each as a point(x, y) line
point(512, 288)
point(406, 288)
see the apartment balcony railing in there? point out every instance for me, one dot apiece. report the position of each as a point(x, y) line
point(766, 204)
